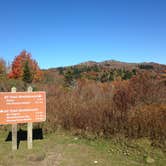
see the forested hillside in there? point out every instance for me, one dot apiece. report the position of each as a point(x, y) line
point(106, 71)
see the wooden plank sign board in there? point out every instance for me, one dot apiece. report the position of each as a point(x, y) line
point(22, 107)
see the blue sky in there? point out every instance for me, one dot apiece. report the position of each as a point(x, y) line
point(66, 32)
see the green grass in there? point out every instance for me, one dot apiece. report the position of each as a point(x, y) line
point(64, 149)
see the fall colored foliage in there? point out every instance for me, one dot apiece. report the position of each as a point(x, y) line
point(97, 101)
point(134, 108)
point(22, 63)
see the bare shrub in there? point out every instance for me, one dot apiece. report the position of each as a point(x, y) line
point(133, 108)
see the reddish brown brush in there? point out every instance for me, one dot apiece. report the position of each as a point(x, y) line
point(135, 108)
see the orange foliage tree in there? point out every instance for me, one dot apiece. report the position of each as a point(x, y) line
point(18, 67)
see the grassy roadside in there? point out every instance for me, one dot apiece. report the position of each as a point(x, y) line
point(64, 149)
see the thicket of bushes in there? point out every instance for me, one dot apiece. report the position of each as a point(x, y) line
point(134, 108)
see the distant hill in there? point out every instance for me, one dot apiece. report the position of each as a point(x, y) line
point(113, 64)
point(102, 71)
point(125, 65)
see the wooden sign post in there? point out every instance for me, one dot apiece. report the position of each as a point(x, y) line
point(30, 128)
point(14, 129)
point(22, 107)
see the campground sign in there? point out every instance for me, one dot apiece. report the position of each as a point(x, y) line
point(22, 107)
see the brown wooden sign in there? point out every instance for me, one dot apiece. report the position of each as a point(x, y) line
point(22, 107)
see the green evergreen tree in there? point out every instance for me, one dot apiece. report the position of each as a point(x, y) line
point(27, 75)
point(68, 78)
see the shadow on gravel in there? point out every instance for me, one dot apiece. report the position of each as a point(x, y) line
point(22, 135)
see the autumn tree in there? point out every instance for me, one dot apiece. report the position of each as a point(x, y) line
point(25, 68)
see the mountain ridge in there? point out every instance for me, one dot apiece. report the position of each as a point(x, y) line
point(117, 64)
